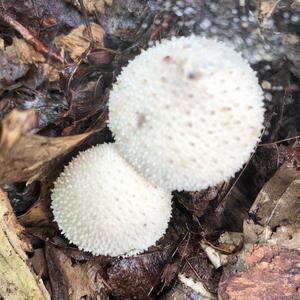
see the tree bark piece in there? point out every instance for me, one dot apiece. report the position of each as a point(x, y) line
point(271, 273)
point(17, 281)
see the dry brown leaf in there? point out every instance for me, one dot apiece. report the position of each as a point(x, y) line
point(49, 71)
point(13, 127)
point(24, 156)
point(38, 262)
point(71, 279)
point(22, 53)
point(93, 6)
point(38, 215)
point(16, 61)
point(78, 40)
point(278, 200)
point(135, 277)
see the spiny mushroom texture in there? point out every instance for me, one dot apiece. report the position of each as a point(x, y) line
point(187, 113)
point(103, 206)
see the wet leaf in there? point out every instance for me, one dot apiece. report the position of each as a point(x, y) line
point(135, 277)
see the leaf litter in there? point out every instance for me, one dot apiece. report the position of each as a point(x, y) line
point(54, 88)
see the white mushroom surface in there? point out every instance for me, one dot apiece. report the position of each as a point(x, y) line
point(187, 113)
point(104, 206)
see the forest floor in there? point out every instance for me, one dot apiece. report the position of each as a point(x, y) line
point(59, 59)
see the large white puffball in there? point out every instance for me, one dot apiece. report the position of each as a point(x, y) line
point(187, 113)
point(103, 206)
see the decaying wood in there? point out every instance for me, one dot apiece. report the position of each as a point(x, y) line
point(271, 273)
point(17, 281)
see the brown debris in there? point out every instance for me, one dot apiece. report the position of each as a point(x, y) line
point(38, 262)
point(287, 236)
point(21, 52)
point(135, 277)
point(94, 6)
point(72, 279)
point(24, 156)
point(78, 41)
point(271, 273)
point(17, 280)
point(39, 46)
point(278, 201)
point(15, 61)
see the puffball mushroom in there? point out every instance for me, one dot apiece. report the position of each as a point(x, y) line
point(187, 113)
point(104, 206)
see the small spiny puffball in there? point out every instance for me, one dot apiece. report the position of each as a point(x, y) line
point(187, 113)
point(104, 206)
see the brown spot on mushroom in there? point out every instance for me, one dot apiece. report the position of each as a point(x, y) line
point(195, 75)
point(167, 59)
point(141, 119)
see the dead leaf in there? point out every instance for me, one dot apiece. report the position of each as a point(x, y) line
point(38, 262)
point(169, 273)
point(78, 40)
point(101, 57)
point(72, 279)
point(135, 277)
point(198, 202)
point(38, 215)
point(13, 127)
point(24, 156)
point(9, 72)
point(21, 52)
point(93, 6)
point(278, 201)
point(50, 72)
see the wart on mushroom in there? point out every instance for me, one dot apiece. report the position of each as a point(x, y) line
point(186, 114)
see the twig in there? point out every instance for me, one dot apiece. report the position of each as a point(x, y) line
point(37, 44)
point(279, 142)
point(87, 22)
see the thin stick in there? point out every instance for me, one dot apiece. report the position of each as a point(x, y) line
point(37, 44)
point(279, 142)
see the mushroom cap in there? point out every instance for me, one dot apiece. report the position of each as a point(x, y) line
point(104, 206)
point(187, 113)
